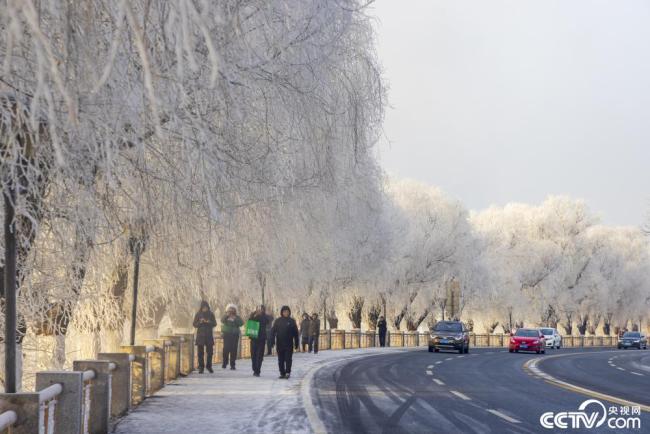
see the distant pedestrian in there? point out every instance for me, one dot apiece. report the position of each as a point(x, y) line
point(304, 332)
point(314, 333)
point(285, 334)
point(230, 325)
point(269, 337)
point(205, 322)
point(258, 344)
point(381, 328)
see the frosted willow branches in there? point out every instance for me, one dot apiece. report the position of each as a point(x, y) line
point(178, 119)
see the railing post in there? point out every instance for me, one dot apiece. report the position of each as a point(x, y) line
point(187, 353)
point(68, 409)
point(138, 372)
point(157, 362)
point(120, 382)
point(27, 407)
point(174, 366)
point(100, 393)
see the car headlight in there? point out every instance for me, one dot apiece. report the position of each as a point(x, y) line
point(536, 341)
point(512, 340)
point(637, 341)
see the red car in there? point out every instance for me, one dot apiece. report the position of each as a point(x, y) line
point(527, 340)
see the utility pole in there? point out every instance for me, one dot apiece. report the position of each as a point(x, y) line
point(137, 245)
point(9, 194)
point(261, 278)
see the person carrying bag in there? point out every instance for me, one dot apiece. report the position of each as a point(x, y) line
point(256, 329)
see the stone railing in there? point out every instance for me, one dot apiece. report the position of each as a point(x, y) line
point(86, 399)
point(347, 339)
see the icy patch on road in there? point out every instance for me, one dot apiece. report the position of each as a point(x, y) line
point(234, 401)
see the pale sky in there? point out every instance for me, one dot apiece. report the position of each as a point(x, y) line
point(512, 100)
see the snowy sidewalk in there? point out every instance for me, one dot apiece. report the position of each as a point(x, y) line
point(235, 401)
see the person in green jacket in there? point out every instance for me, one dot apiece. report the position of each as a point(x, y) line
point(230, 325)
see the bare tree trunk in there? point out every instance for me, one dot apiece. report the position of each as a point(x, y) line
point(355, 310)
point(373, 314)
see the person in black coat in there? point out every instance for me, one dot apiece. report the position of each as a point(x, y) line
point(205, 322)
point(258, 344)
point(304, 331)
point(381, 327)
point(285, 334)
point(314, 333)
point(269, 337)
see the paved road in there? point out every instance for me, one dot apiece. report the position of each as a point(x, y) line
point(485, 391)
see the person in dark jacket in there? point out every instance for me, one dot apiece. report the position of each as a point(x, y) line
point(269, 337)
point(314, 333)
point(258, 344)
point(304, 332)
point(204, 322)
point(285, 334)
point(381, 328)
point(230, 325)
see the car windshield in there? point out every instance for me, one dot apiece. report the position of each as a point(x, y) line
point(448, 327)
point(527, 333)
point(547, 331)
point(632, 335)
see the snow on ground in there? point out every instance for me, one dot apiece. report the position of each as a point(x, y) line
point(235, 401)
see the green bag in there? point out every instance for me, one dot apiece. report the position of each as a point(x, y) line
point(252, 329)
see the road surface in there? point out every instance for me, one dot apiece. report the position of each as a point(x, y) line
point(487, 390)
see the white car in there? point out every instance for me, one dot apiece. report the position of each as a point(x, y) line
point(552, 337)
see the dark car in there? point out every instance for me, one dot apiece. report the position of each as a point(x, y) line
point(632, 340)
point(449, 335)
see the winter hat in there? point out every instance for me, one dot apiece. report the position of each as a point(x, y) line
point(204, 304)
point(231, 306)
point(285, 308)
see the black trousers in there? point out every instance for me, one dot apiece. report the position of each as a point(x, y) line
point(285, 356)
point(206, 350)
point(313, 344)
point(230, 343)
point(257, 353)
point(382, 339)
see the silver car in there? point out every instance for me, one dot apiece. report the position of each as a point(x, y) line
point(552, 337)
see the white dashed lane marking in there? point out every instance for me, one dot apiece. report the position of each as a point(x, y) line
point(430, 367)
point(503, 416)
point(438, 382)
point(437, 363)
point(429, 373)
point(620, 369)
point(637, 373)
point(460, 395)
point(449, 358)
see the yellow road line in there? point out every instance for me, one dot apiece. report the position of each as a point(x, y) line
point(531, 367)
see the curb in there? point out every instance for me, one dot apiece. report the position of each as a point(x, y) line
point(315, 421)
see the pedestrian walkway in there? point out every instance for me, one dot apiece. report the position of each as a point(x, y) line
point(233, 401)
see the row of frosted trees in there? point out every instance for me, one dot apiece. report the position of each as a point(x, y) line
point(223, 146)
